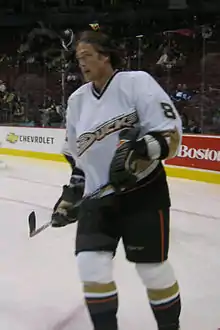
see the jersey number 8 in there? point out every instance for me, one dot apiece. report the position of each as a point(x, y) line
point(168, 110)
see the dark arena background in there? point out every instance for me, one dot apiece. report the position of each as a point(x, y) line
point(178, 43)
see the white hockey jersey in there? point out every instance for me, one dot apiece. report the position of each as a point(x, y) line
point(95, 119)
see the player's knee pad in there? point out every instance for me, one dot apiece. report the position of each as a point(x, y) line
point(156, 275)
point(95, 266)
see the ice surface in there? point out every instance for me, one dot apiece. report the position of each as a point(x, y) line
point(39, 284)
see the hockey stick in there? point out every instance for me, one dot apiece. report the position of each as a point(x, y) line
point(32, 221)
point(32, 225)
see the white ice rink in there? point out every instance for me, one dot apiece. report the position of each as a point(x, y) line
point(39, 284)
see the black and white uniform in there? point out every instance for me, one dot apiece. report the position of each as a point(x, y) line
point(139, 216)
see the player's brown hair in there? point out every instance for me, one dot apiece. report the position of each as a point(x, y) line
point(103, 45)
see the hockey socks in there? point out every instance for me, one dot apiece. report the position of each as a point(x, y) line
point(102, 304)
point(166, 306)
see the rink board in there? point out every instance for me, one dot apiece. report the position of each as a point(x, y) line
point(172, 171)
point(198, 158)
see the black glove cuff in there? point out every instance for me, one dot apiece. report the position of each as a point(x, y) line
point(141, 149)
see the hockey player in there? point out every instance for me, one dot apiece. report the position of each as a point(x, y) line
point(121, 125)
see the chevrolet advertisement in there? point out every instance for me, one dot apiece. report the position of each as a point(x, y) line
point(14, 138)
point(34, 139)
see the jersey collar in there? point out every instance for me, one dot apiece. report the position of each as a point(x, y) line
point(98, 94)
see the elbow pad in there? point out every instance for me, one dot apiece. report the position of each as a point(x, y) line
point(158, 145)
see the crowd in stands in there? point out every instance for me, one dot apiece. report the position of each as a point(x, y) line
point(184, 61)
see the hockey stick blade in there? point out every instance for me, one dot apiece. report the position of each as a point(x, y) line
point(32, 222)
point(32, 225)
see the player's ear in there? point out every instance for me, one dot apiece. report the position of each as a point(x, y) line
point(105, 58)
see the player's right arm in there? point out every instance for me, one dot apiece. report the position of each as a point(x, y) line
point(70, 128)
point(71, 118)
point(65, 211)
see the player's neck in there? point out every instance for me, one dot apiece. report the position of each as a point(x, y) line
point(104, 78)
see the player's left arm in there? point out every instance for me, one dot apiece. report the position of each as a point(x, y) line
point(161, 126)
point(157, 136)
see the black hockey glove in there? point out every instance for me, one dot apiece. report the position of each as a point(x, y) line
point(123, 165)
point(64, 211)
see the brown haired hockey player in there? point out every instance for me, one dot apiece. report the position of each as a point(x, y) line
point(121, 125)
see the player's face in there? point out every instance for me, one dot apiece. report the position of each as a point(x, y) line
point(90, 61)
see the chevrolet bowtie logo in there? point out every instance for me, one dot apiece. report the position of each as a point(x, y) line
point(12, 138)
